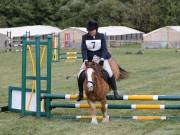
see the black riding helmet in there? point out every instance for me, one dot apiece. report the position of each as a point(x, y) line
point(91, 25)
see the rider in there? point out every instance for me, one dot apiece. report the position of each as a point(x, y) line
point(94, 45)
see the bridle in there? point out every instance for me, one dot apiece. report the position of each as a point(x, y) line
point(92, 82)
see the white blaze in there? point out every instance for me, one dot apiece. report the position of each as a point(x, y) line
point(89, 79)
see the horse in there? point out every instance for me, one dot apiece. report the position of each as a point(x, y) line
point(96, 87)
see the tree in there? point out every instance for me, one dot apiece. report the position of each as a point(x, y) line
point(144, 15)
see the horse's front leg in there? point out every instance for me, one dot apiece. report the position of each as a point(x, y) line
point(104, 111)
point(93, 112)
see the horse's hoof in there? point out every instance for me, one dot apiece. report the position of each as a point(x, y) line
point(94, 122)
point(105, 120)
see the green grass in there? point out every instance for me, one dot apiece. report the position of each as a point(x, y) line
point(154, 72)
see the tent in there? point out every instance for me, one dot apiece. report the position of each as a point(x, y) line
point(34, 30)
point(16, 33)
point(4, 41)
point(120, 35)
point(165, 37)
point(72, 36)
point(115, 35)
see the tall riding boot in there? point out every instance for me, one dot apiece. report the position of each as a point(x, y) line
point(80, 81)
point(112, 82)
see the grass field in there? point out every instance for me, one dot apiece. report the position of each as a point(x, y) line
point(154, 72)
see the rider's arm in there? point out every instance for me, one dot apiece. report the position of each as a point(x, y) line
point(103, 47)
point(84, 48)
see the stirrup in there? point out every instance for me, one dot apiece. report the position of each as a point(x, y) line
point(79, 98)
point(116, 95)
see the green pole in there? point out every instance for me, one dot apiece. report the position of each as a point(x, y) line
point(38, 74)
point(49, 61)
point(23, 81)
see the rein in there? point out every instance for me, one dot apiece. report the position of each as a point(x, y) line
point(92, 82)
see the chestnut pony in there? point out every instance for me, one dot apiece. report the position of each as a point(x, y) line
point(96, 88)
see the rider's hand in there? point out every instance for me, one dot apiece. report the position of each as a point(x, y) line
point(101, 62)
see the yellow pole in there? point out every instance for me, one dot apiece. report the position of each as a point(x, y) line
point(42, 56)
point(34, 74)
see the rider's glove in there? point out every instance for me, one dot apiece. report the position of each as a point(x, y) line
point(86, 62)
point(101, 62)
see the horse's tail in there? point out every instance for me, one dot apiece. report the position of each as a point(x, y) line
point(123, 73)
point(118, 72)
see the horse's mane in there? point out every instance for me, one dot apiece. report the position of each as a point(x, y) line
point(96, 67)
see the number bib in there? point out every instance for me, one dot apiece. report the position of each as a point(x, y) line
point(93, 45)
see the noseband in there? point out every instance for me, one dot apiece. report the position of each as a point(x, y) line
point(91, 82)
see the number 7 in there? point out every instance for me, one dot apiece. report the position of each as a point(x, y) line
point(93, 44)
